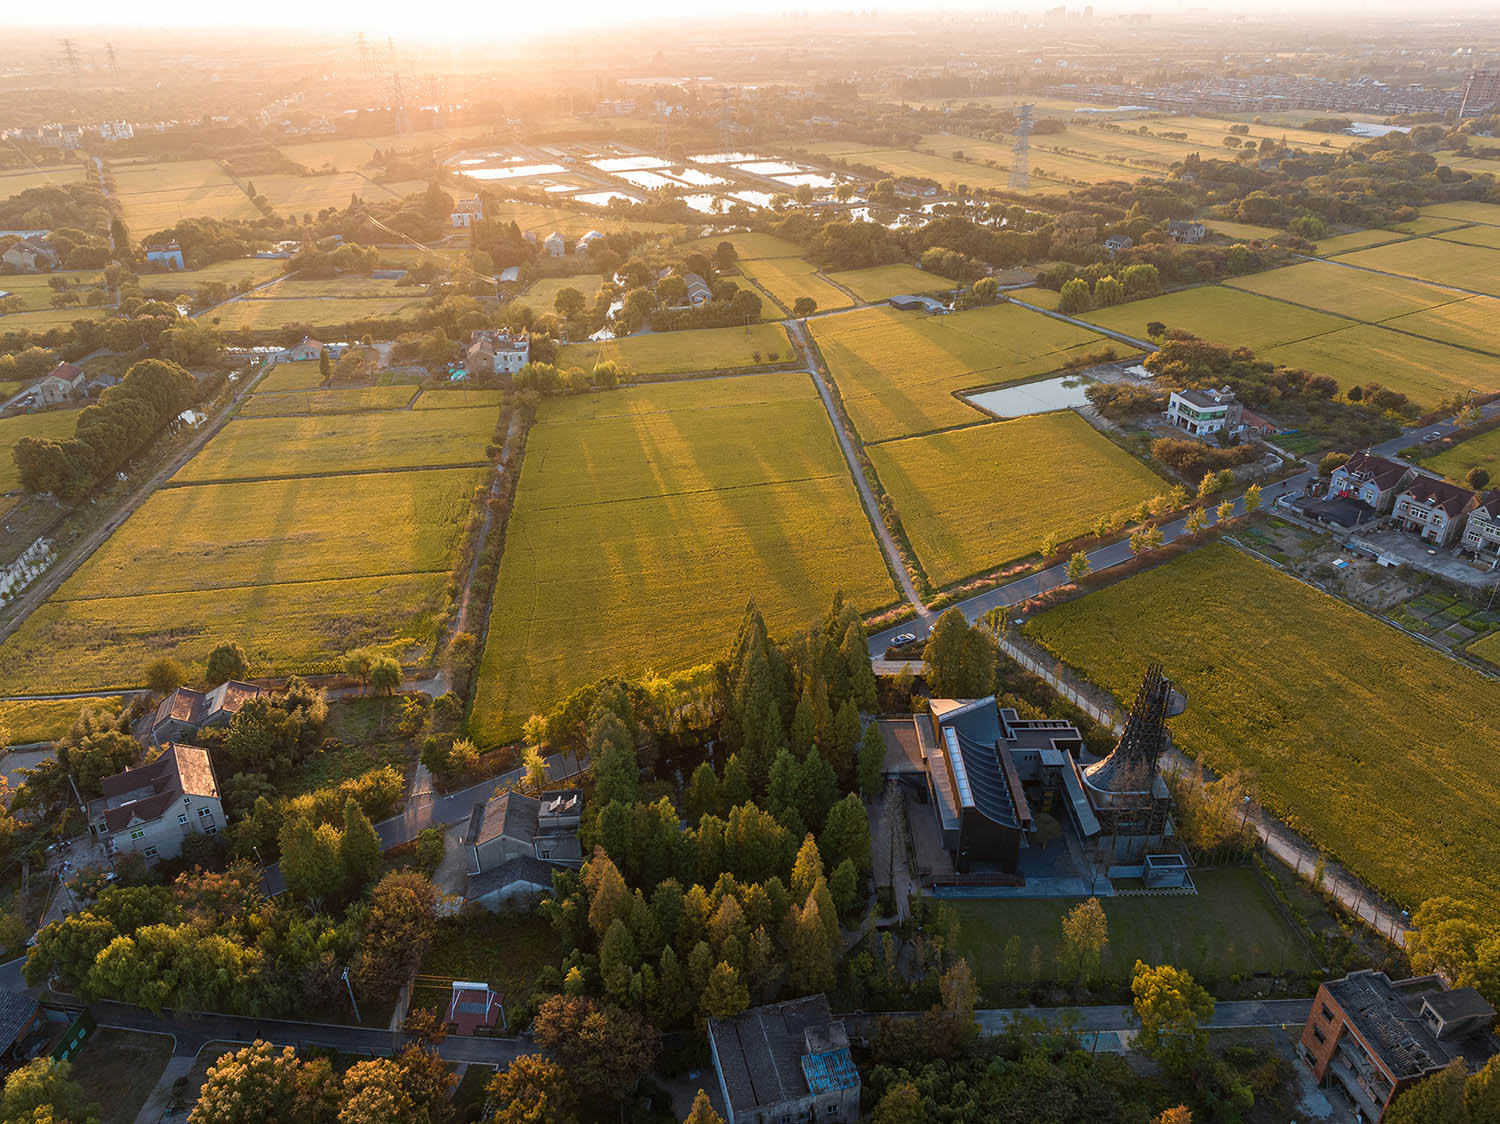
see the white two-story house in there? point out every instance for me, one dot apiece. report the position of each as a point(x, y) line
point(151, 809)
point(1482, 528)
point(1202, 412)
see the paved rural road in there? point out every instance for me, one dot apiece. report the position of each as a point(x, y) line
point(798, 330)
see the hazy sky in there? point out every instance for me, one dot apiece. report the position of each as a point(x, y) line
point(473, 23)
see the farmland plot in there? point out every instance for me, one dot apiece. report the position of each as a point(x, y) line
point(882, 281)
point(1221, 314)
point(787, 279)
point(1370, 297)
point(342, 401)
point(678, 353)
point(1433, 259)
point(1424, 370)
point(646, 518)
point(1385, 762)
point(974, 498)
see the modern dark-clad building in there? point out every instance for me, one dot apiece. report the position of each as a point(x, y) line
point(1368, 1038)
point(787, 1063)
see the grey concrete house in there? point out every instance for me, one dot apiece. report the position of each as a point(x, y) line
point(1432, 509)
point(785, 1063)
point(1372, 480)
point(151, 809)
point(185, 711)
point(513, 825)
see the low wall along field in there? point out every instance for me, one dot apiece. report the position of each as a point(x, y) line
point(1377, 748)
point(974, 498)
point(645, 519)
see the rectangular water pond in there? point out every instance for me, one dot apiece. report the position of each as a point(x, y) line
point(1060, 393)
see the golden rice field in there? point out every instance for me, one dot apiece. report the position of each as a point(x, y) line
point(300, 627)
point(1370, 297)
point(36, 291)
point(255, 448)
point(457, 397)
point(13, 183)
point(236, 273)
point(898, 371)
point(1466, 210)
point(1466, 323)
point(343, 401)
point(303, 374)
point(1358, 240)
point(1426, 224)
point(1221, 314)
point(347, 286)
point(750, 245)
point(1434, 259)
point(1424, 370)
point(680, 353)
point(219, 536)
point(1241, 231)
point(1487, 236)
point(647, 517)
point(882, 281)
point(153, 197)
point(975, 498)
point(788, 279)
point(252, 315)
point(55, 424)
point(1385, 761)
point(294, 195)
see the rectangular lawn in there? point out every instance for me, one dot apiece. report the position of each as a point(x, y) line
point(302, 374)
point(897, 371)
point(1422, 369)
point(1232, 926)
point(680, 353)
point(255, 448)
point(1370, 297)
point(1378, 748)
point(542, 296)
point(645, 520)
point(218, 536)
point(974, 498)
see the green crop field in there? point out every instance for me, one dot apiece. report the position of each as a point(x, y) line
point(35, 289)
point(303, 374)
point(301, 627)
point(1385, 761)
point(236, 273)
point(41, 320)
point(1487, 648)
point(542, 296)
point(1358, 240)
point(882, 281)
point(252, 448)
point(648, 516)
point(216, 536)
point(1220, 314)
point(47, 720)
point(1433, 259)
point(680, 353)
point(1370, 297)
point(1466, 323)
point(787, 279)
point(751, 246)
point(1481, 451)
point(1042, 298)
point(349, 400)
point(1424, 370)
point(1232, 926)
point(56, 424)
point(1487, 236)
point(974, 498)
point(457, 397)
point(898, 371)
point(1467, 210)
point(246, 315)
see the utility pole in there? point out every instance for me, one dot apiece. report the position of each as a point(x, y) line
point(352, 1003)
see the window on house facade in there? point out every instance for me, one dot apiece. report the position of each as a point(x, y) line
point(204, 812)
point(1327, 1014)
point(151, 852)
point(137, 834)
point(182, 818)
point(210, 830)
point(1319, 1035)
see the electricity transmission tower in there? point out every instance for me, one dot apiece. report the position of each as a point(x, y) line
point(109, 53)
point(1020, 164)
point(70, 54)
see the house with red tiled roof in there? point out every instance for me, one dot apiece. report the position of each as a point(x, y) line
point(151, 809)
point(62, 384)
point(184, 712)
point(1372, 480)
point(1482, 528)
